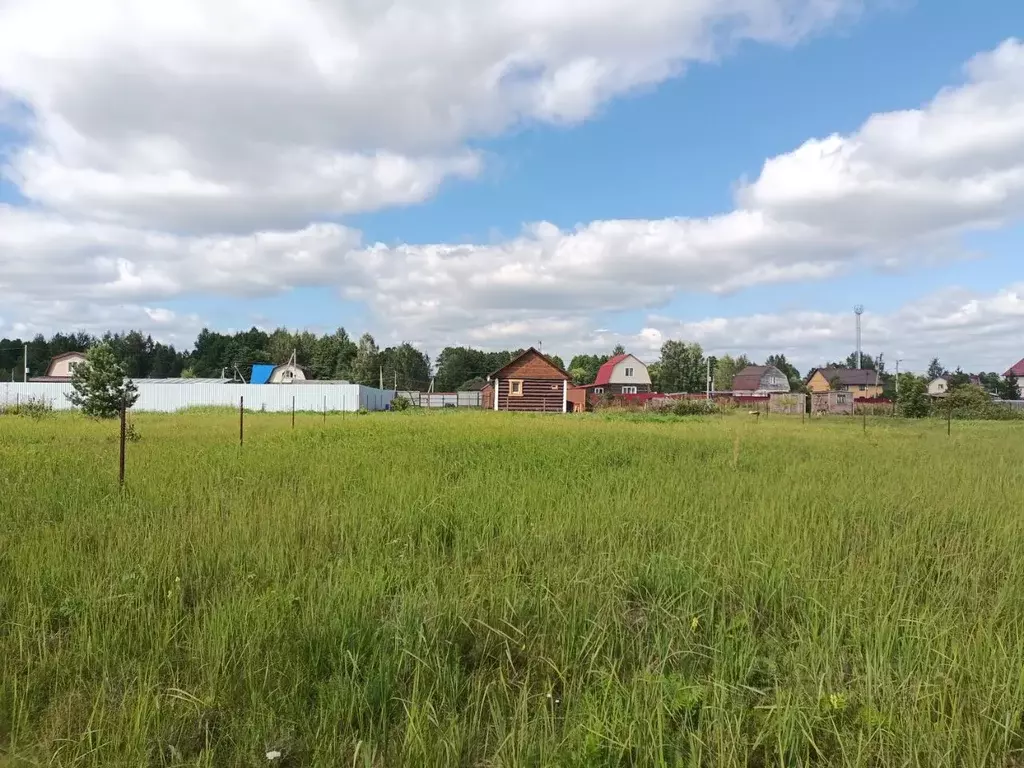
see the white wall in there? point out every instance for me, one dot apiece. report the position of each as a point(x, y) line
point(640, 374)
point(168, 398)
point(938, 386)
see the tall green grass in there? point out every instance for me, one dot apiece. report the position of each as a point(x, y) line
point(480, 589)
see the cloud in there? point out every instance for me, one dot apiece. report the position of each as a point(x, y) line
point(230, 116)
point(963, 328)
point(47, 317)
point(894, 194)
point(44, 253)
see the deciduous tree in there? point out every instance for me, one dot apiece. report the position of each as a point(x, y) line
point(682, 367)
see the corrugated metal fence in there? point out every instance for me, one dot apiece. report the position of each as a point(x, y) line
point(1017, 405)
point(444, 399)
point(168, 398)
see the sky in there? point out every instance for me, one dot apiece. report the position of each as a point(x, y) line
point(574, 173)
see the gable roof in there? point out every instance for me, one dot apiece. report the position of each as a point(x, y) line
point(530, 351)
point(849, 377)
point(1017, 370)
point(604, 373)
point(749, 379)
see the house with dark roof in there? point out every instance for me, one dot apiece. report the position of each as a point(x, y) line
point(623, 374)
point(861, 382)
point(531, 382)
point(759, 380)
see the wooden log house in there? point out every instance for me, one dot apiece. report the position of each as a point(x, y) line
point(531, 383)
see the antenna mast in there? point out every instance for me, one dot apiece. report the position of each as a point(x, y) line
point(858, 311)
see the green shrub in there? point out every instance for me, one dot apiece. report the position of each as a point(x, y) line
point(694, 407)
point(32, 407)
point(400, 403)
point(974, 403)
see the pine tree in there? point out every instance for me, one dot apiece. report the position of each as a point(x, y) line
point(101, 387)
point(1010, 388)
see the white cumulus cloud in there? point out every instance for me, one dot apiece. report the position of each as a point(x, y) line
point(211, 116)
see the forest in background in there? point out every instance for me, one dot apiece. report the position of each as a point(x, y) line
point(682, 366)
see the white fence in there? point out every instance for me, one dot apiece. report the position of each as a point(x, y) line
point(168, 398)
point(444, 399)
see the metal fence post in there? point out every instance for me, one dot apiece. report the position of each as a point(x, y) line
point(293, 411)
point(325, 409)
point(241, 420)
point(124, 418)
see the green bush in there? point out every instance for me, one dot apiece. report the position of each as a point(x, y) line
point(974, 403)
point(32, 407)
point(913, 402)
point(400, 403)
point(694, 407)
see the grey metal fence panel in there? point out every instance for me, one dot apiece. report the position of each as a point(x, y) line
point(168, 398)
point(444, 399)
point(1017, 405)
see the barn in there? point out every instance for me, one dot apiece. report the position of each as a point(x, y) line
point(530, 382)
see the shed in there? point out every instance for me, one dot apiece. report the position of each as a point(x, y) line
point(531, 382)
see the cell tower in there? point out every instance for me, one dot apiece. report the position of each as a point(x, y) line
point(858, 311)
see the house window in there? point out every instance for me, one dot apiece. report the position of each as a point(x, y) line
point(629, 390)
point(862, 387)
point(629, 373)
point(515, 388)
point(289, 374)
point(598, 390)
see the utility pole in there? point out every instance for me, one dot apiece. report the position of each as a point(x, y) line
point(381, 377)
point(25, 376)
point(709, 380)
point(898, 379)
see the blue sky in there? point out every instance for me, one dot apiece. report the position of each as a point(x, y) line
point(675, 154)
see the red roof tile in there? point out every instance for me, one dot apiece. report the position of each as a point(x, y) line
point(1017, 370)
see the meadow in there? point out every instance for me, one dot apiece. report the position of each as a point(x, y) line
point(481, 589)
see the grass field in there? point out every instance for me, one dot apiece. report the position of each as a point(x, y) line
point(478, 589)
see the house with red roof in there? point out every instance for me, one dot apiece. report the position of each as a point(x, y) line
point(1017, 370)
point(622, 375)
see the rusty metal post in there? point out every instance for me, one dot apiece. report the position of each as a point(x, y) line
point(241, 420)
point(124, 419)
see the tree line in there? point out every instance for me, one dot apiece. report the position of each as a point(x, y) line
point(682, 366)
